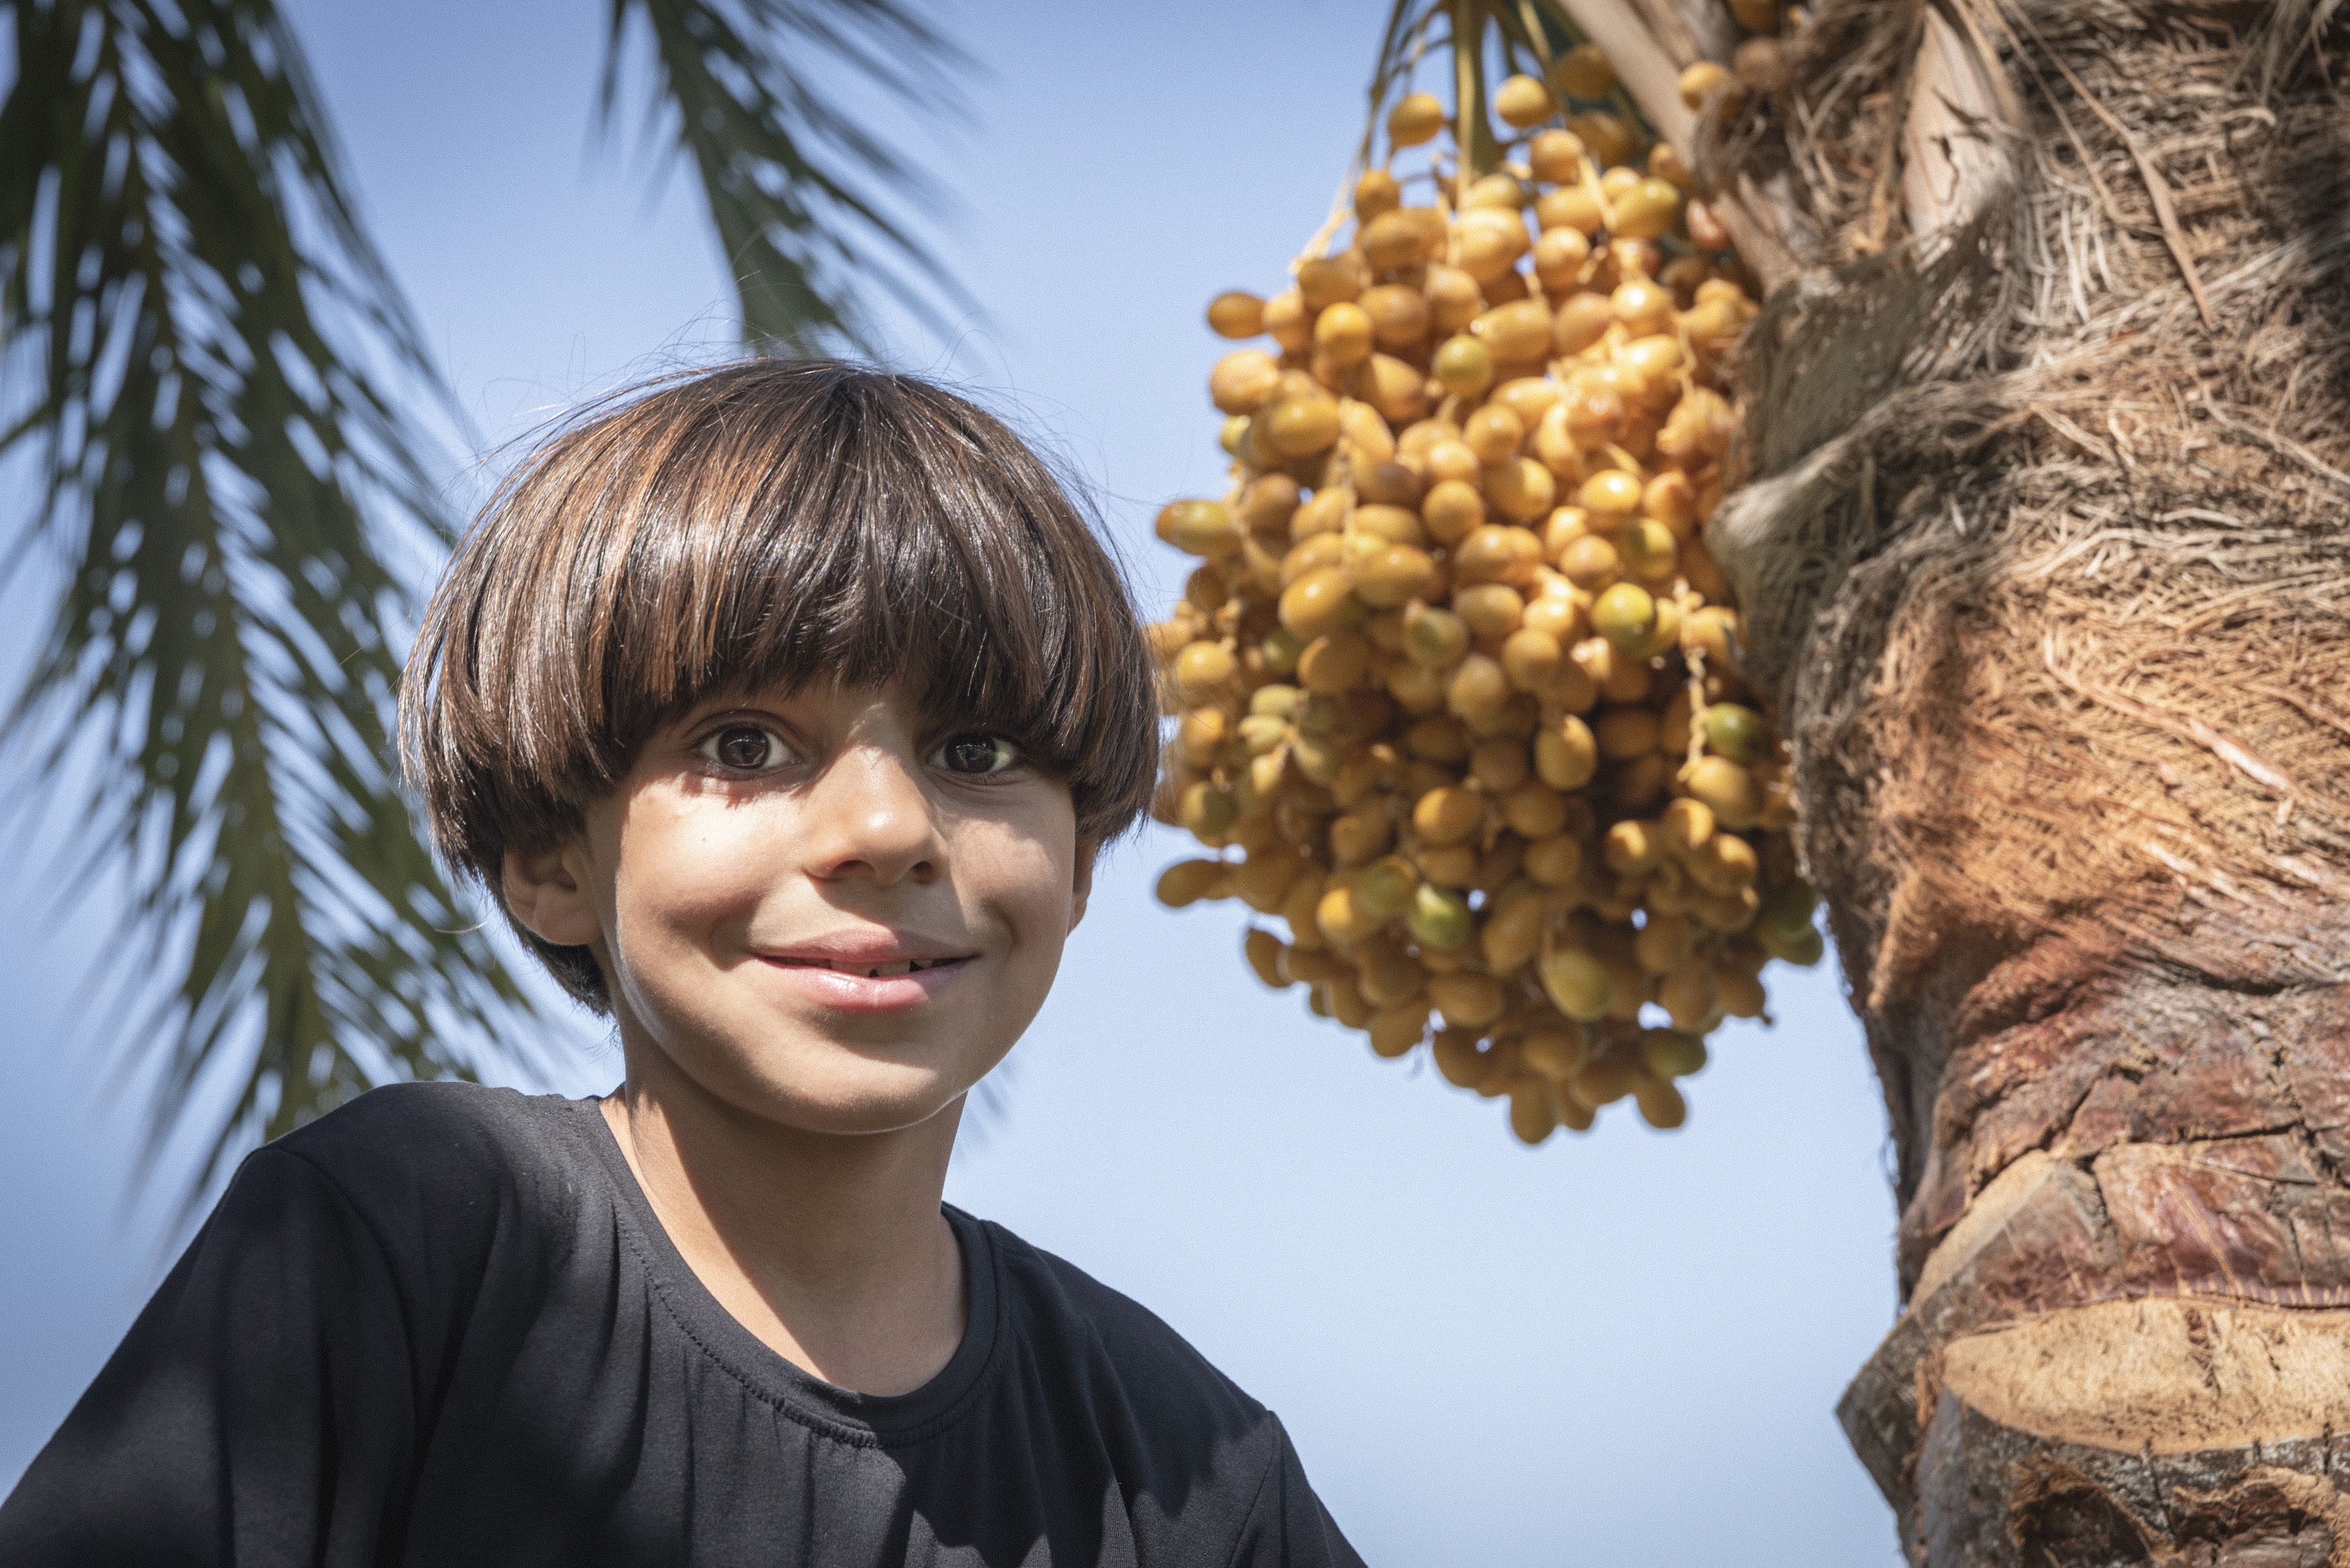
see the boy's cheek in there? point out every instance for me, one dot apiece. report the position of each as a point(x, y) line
point(682, 906)
point(1037, 883)
point(669, 852)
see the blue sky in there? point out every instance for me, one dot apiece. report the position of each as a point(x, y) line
point(1622, 1348)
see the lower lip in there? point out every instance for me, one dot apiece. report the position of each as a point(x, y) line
point(843, 992)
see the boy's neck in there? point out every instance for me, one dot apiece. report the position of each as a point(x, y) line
point(831, 1248)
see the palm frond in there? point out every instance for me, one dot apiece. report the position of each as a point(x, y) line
point(808, 204)
point(208, 343)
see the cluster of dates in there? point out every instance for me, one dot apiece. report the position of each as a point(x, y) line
point(1456, 685)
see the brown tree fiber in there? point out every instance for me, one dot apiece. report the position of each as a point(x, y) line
point(2044, 553)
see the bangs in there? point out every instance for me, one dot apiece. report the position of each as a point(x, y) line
point(766, 526)
point(870, 536)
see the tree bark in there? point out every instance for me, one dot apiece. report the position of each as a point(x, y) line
point(2127, 1266)
point(2044, 554)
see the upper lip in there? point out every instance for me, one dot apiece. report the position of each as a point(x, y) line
point(865, 949)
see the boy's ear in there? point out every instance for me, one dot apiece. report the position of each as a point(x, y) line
point(546, 890)
point(1085, 881)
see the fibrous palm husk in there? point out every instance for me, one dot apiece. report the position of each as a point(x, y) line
point(2049, 570)
point(2043, 550)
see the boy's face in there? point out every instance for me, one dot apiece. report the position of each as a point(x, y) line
point(757, 886)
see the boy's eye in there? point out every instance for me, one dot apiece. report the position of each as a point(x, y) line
point(742, 748)
point(977, 754)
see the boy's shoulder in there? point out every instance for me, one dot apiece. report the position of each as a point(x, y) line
point(423, 1153)
point(448, 1117)
point(1115, 1347)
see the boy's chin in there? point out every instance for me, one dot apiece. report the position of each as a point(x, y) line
point(817, 1083)
point(860, 1098)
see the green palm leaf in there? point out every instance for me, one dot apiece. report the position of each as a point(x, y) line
point(208, 341)
point(800, 193)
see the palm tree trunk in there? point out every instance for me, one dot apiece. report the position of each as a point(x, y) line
point(2045, 553)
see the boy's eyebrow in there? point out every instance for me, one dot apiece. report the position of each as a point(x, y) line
point(928, 715)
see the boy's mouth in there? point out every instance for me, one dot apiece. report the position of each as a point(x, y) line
point(869, 970)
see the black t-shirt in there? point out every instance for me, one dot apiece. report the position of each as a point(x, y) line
point(441, 1327)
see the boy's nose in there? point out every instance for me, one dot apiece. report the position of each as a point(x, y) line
point(869, 816)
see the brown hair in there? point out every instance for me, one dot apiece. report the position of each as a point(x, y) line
point(763, 524)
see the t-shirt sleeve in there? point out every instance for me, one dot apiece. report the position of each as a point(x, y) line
point(260, 1411)
point(1288, 1526)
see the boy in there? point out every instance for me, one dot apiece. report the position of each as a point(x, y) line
point(785, 707)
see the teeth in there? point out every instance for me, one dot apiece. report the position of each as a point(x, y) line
point(881, 972)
